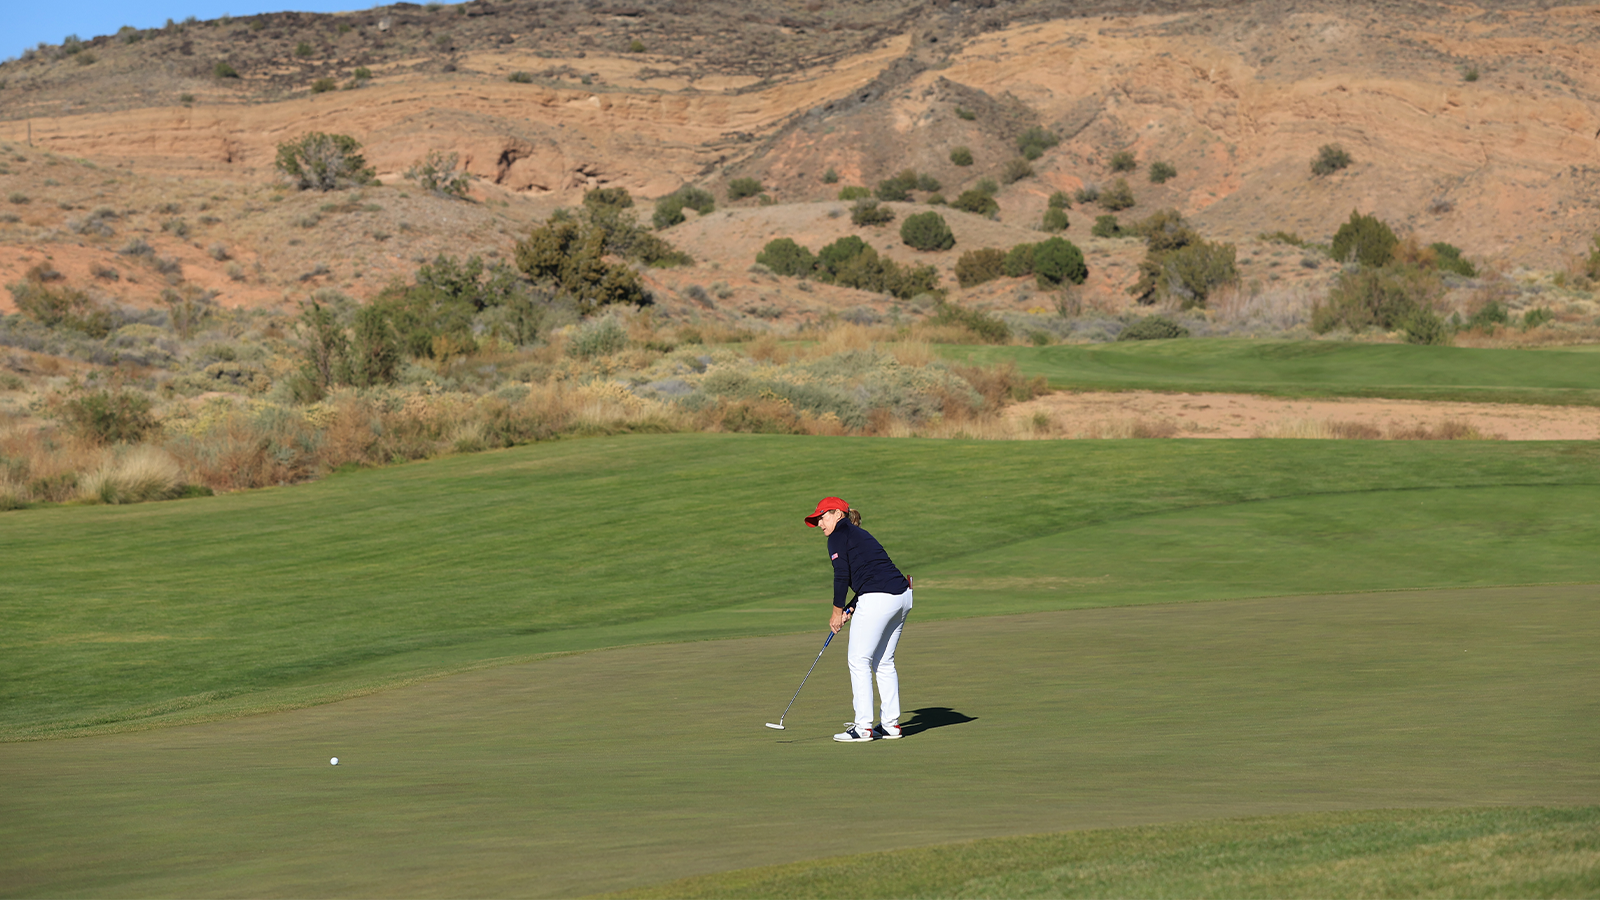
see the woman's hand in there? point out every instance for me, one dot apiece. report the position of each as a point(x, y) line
point(840, 616)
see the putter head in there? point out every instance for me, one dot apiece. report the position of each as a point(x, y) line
point(776, 725)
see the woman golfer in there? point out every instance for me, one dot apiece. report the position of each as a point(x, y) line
point(883, 597)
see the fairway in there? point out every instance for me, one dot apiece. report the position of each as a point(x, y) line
point(545, 670)
point(119, 617)
point(1310, 369)
point(614, 769)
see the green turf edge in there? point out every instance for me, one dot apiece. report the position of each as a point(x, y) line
point(1483, 852)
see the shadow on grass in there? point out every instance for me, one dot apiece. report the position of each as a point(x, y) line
point(931, 717)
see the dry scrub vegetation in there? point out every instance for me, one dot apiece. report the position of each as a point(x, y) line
point(216, 412)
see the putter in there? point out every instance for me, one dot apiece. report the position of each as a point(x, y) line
point(779, 724)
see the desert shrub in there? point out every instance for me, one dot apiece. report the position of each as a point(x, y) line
point(1015, 170)
point(1364, 239)
point(975, 201)
point(1282, 237)
point(1424, 326)
point(188, 309)
point(608, 198)
point(302, 50)
point(568, 256)
point(785, 257)
point(832, 258)
point(520, 78)
point(223, 70)
point(669, 209)
point(1057, 261)
point(987, 186)
point(1330, 158)
point(61, 307)
point(108, 415)
point(1162, 172)
point(1124, 161)
point(1178, 263)
point(436, 173)
point(1059, 200)
point(1533, 318)
point(897, 188)
point(1449, 259)
point(1089, 193)
point(851, 262)
point(936, 199)
point(961, 156)
point(868, 212)
point(927, 231)
point(1118, 196)
point(1055, 220)
point(965, 114)
point(323, 162)
point(1383, 298)
point(987, 328)
point(1035, 141)
point(1489, 315)
point(597, 337)
point(1153, 328)
point(854, 192)
point(1018, 261)
point(977, 266)
point(831, 176)
point(636, 46)
point(740, 188)
point(1106, 226)
point(1193, 273)
point(323, 85)
point(926, 182)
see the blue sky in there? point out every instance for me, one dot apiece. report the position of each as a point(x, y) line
point(30, 21)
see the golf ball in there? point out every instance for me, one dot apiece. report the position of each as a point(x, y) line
point(334, 761)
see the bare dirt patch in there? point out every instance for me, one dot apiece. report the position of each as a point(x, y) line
point(1092, 414)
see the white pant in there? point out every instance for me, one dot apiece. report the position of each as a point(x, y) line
point(874, 632)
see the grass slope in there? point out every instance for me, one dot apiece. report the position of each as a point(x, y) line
point(1386, 853)
point(120, 616)
point(623, 768)
point(1311, 369)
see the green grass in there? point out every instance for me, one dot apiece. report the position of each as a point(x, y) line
point(623, 768)
point(1311, 369)
point(1387, 853)
point(151, 614)
point(1058, 673)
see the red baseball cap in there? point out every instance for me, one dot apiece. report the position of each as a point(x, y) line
point(826, 504)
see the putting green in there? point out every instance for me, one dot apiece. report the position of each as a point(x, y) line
point(619, 768)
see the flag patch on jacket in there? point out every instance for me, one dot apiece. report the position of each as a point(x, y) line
point(834, 556)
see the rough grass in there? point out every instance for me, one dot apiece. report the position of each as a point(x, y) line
point(1524, 852)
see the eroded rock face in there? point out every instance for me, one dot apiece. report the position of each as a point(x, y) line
point(1238, 99)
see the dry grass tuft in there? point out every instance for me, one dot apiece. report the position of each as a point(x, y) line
point(133, 475)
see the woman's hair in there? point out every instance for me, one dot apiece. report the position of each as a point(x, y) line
point(855, 516)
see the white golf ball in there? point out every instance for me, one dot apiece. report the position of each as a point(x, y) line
point(334, 761)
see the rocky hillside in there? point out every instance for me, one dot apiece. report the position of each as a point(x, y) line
point(1475, 125)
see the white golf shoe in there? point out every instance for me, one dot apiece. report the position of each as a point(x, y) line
point(888, 730)
point(853, 733)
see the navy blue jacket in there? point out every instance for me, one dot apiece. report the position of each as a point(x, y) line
point(860, 562)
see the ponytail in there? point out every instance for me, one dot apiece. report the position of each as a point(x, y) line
point(855, 516)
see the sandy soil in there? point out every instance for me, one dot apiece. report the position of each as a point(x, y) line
point(1144, 413)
